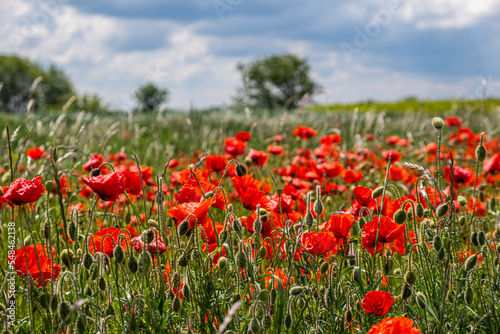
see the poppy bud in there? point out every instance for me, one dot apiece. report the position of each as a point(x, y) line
point(67, 257)
point(183, 260)
point(361, 222)
point(473, 239)
point(209, 194)
point(400, 216)
point(80, 325)
point(469, 295)
point(145, 263)
point(241, 170)
point(309, 219)
point(47, 229)
point(462, 201)
point(223, 236)
point(318, 207)
point(461, 220)
point(176, 280)
point(230, 208)
point(88, 291)
point(88, 260)
point(405, 292)
point(410, 277)
point(324, 267)
point(254, 326)
point(388, 266)
point(237, 227)
point(44, 300)
point(54, 304)
point(470, 262)
point(27, 241)
point(257, 226)
point(288, 321)
point(268, 321)
point(296, 290)
point(64, 310)
point(119, 254)
point(262, 252)
point(437, 123)
point(148, 236)
point(110, 310)
point(49, 185)
point(481, 238)
point(378, 192)
point(480, 152)
point(437, 242)
point(327, 298)
point(103, 284)
point(186, 292)
point(183, 228)
point(348, 316)
point(421, 300)
point(153, 223)
point(420, 211)
point(409, 214)
point(73, 231)
point(441, 254)
point(132, 265)
point(481, 196)
point(450, 295)
point(442, 210)
point(241, 260)
point(176, 304)
point(222, 263)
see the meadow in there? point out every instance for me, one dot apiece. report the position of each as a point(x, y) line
point(372, 218)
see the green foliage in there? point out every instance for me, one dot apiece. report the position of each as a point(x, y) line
point(23, 80)
point(275, 82)
point(150, 97)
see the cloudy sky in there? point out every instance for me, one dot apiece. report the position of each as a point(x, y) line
point(358, 50)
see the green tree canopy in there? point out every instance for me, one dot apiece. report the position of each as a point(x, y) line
point(275, 82)
point(22, 80)
point(149, 97)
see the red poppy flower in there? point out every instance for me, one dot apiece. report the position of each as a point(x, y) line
point(353, 176)
point(259, 158)
point(216, 163)
point(196, 209)
point(275, 149)
point(377, 302)
point(453, 121)
point(278, 273)
point(63, 181)
point(318, 243)
point(251, 197)
point(287, 203)
point(208, 235)
point(108, 186)
point(329, 140)
point(35, 153)
point(94, 162)
point(340, 225)
point(36, 271)
point(23, 191)
point(101, 241)
point(234, 147)
point(364, 197)
point(395, 155)
point(492, 165)
point(304, 132)
point(157, 246)
point(460, 175)
point(388, 232)
point(173, 163)
point(132, 179)
point(243, 136)
point(333, 169)
point(400, 325)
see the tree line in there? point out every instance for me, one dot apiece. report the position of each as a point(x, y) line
point(277, 81)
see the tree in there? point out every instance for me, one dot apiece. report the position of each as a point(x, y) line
point(275, 81)
point(149, 97)
point(23, 80)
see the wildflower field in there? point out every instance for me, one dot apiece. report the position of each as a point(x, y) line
point(225, 222)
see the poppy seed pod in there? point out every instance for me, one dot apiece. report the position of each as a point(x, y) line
point(119, 254)
point(437, 123)
point(400, 216)
point(442, 210)
point(49, 185)
point(461, 200)
point(480, 152)
point(241, 170)
point(378, 192)
point(470, 262)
